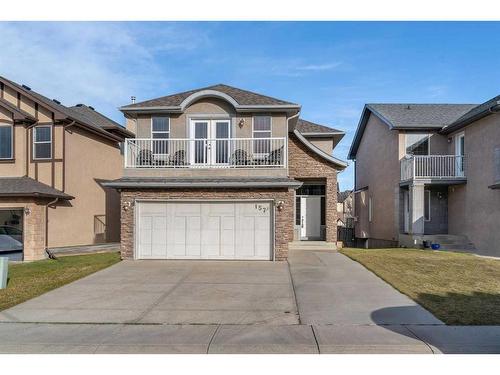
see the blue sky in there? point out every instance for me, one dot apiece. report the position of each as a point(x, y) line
point(331, 68)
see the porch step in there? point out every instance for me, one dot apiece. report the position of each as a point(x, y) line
point(311, 245)
point(450, 242)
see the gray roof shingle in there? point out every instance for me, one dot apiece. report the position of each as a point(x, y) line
point(242, 97)
point(25, 186)
point(474, 114)
point(305, 127)
point(420, 115)
point(97, 118)
point(66, 111)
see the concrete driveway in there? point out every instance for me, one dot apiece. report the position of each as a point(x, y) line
point(234, 307)
point(170, 292)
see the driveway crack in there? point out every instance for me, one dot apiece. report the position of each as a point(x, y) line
point(293, 290)
point(161, 298)
point(212, 338)
point(418, 338)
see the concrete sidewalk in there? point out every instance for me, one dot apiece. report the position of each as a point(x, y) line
point(290, 339)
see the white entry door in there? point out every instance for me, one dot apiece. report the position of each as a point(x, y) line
point(310, 221)
point(208, 230)
point(211, 142)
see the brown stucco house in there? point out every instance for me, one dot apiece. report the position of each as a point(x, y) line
point(53, 160)
point(224, 173)
point(429, 172)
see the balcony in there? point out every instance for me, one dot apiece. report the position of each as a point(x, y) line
point(439, 168)
point(204, 153)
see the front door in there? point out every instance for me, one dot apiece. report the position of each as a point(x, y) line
point(210, 145)
point(310, 221)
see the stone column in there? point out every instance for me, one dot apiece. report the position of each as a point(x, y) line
point(417, 208)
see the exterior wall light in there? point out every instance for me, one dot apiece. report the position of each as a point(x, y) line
point(27, 211)
point(241, 122)
point(280, 205)
point(127, 205)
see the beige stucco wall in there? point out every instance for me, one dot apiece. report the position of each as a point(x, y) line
point(377, 167)
point(474, 209)
point(324, 144)
point(207, 108)
point(89, 160)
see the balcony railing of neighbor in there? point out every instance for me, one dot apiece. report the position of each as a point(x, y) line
point(433, 167)
point(206, 153)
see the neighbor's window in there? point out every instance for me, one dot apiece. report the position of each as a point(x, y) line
point(42, 142)
point(160, 132)
point(417, 144)
point(427, 205)
point(262, 129)
point(6, 141)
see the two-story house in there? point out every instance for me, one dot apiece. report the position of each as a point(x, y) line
point(225, 173)
point(53, 160)
point(428, 172)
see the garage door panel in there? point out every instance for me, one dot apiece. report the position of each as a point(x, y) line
point(227, 236)
point(193, 236)
point(205, 230)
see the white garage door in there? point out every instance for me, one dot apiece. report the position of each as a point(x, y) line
point(210, 230)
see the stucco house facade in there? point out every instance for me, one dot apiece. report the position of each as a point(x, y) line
point(428, 172)
point(53, 160)
point(225, 173)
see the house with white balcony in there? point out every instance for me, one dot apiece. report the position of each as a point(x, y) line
point(225, 173)
point(428, 173)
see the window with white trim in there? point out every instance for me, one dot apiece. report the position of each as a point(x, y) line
point(417, 144)
point(160, 133)
point(6, 141)
point(262, 126)
point(427, 205)
point(42, 142)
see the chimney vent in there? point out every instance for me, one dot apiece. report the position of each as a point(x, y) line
point(92, 108)
point(132, 98)
point(56, 101)
point(27, 87)
point(79, 105)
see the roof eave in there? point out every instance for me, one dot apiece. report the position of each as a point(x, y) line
point(193, 184)
point(339, 163)
point(457, 125)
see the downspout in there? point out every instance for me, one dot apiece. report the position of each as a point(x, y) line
point(287, 131)
point(49, 253)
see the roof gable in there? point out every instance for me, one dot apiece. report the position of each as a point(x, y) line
point(408, 116)
point(237, 97)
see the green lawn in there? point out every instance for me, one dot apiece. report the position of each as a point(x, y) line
point(457, 288)
point(28, 280)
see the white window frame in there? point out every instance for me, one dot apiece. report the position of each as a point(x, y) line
point(428, 138)
point(35, 142)
point(427, 192)
point(270, 131)
point(4, 125)
point(160, 132)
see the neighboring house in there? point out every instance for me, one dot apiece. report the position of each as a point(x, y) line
point(429, 172)
point(225, 173)
point(52, 162)
point(345, 208)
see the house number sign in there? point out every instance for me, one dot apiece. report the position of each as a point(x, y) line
point(261, 208)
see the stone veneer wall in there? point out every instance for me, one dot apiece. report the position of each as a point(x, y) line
point(304, 165)
point(283, 224)
point(33, 225)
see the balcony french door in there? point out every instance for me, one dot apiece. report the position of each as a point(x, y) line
point(211, 142)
